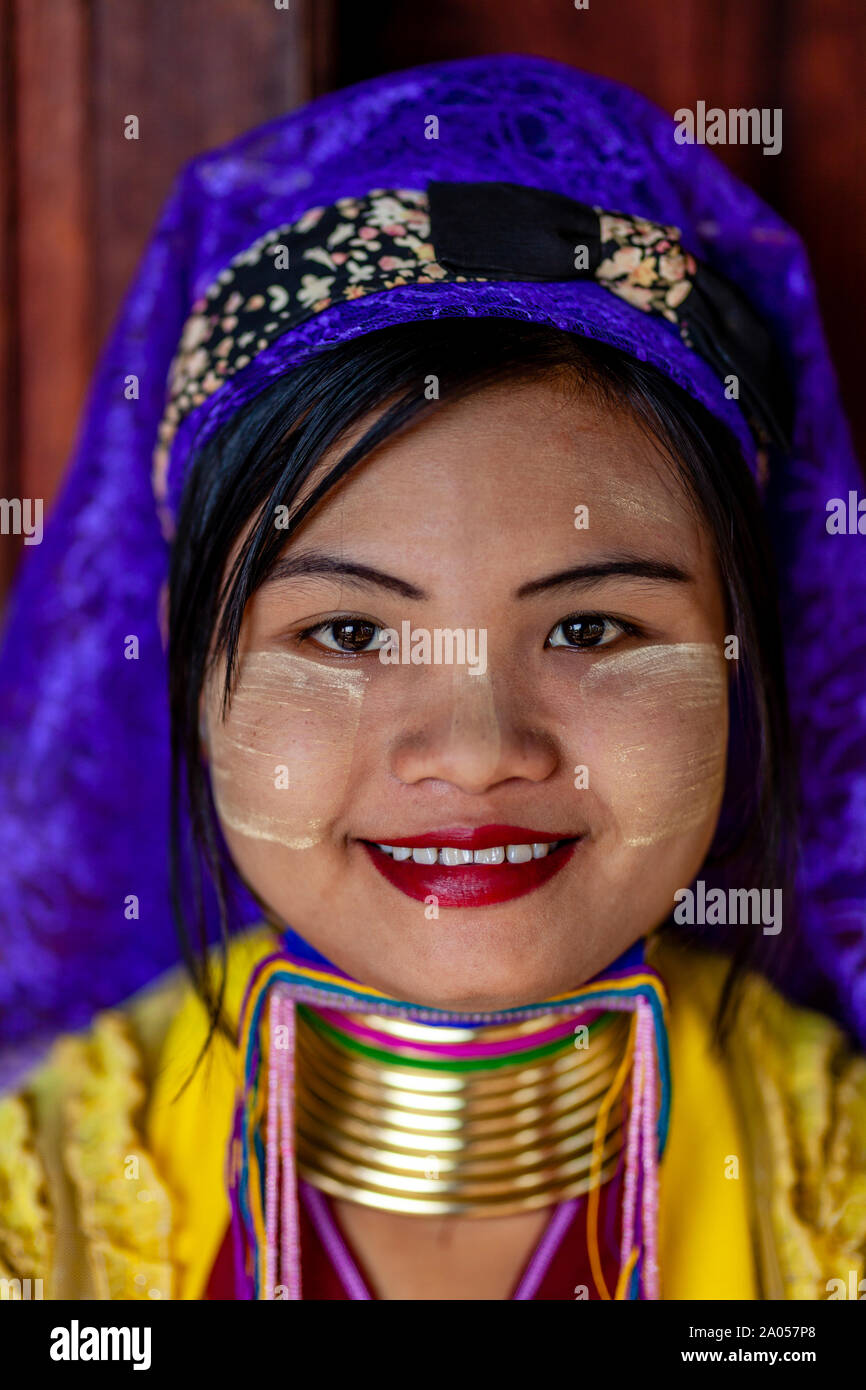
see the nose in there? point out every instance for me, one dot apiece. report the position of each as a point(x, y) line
point(464, 733)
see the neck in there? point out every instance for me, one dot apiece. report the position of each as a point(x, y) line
point(316, 977)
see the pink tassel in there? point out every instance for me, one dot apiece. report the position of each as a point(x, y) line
point(641, 1156)
point(629, 1199)
point(281, 1186)
point(290, 1239)
point(650, 1213)
point(272, 1151)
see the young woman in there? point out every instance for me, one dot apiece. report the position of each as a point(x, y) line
point(454, 700)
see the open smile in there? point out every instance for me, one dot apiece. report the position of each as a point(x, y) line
point(472, 867)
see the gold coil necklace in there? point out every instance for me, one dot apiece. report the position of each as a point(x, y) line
point(471, 1121)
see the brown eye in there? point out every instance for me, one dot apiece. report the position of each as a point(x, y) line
point(584, 630)
point(346, 635)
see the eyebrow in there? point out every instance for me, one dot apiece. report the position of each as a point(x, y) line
point(627, 568)
point(316, 562)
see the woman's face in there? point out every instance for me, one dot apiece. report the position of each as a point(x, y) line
point(587, 705)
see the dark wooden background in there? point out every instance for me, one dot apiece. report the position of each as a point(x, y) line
point(77, 200)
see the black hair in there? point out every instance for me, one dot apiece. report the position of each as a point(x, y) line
point(262, 458)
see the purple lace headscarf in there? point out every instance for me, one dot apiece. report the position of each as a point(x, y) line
point(84, 730)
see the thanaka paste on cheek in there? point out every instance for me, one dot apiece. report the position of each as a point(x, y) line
point(657, 719)
point(281, 760)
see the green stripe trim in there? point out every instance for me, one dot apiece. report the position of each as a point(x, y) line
point(470, 1064)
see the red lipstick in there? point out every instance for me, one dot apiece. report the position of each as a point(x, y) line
point(472, 885)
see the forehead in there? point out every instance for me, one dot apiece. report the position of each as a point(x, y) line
point(506, 467)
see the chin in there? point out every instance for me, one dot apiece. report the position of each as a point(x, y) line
point(471, 977)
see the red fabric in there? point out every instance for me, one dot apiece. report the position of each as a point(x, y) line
point(319, 1278)
point(568, 1271)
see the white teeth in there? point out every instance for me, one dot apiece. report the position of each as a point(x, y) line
point(453, 857)
point(495, 855)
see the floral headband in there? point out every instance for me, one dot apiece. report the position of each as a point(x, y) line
point(460, 232)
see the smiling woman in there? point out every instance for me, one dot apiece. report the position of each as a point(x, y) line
point(318, 753)
point(452, 1041)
